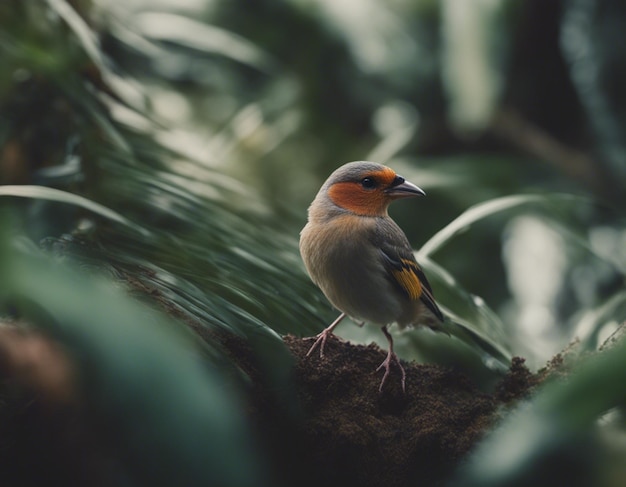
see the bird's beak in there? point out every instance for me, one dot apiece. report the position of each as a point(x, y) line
point(404, 189)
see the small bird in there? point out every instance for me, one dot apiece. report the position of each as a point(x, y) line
point(361, 259)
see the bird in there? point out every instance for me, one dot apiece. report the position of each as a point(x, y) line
point(362, 260)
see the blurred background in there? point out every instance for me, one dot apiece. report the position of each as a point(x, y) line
point(174, 146)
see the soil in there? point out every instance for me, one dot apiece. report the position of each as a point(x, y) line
point(353, 434)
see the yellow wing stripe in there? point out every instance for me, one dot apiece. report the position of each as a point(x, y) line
point(409, 281)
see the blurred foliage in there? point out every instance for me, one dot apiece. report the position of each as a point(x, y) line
point(152, 396)
point(552, 439)
point(175, 146)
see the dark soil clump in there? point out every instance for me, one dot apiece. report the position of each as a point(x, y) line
point(355, 435)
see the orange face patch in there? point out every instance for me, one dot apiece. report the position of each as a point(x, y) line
point(384, 176)
point(352, 196)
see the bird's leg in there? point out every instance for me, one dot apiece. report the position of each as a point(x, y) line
point(391, 357)
point(323, 336)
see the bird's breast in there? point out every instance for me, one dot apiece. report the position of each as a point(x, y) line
point(342, 260)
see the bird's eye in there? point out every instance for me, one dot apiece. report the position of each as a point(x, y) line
point(397, 181)
point(368, 183)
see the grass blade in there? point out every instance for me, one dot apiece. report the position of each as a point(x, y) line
point(58, 196)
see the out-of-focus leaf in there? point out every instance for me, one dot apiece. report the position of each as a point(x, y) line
point(81, 30)
point(487, 209)
point(590, 39)
point(546, 441)
point(397, 123)
point(471, 321)
point(471, 71)
point(593, 321)
point(170, 419)
point(88, 38)
point(56, 195)
point(167, 27)
point(374, 33)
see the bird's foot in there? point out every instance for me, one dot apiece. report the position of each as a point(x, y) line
point(391, 357)
point(323, 336)
point(320, 342)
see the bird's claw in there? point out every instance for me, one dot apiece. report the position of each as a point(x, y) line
point(391, 357)
point(320, 342)
point(323, 336)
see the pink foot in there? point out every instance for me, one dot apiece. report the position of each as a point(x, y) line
point(320, 342)
point(323, 336)
point(391, 357)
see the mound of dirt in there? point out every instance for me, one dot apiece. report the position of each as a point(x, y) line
point(352, 434)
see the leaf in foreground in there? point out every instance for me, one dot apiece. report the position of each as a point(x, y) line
point(547, 441)
point(167, 414)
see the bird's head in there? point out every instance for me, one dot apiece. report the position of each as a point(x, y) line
point(366, 188)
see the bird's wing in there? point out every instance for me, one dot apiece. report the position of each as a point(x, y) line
point(407, 274)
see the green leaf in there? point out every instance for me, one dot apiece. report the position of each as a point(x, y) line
point(56, 195)
point(489, 208)
point(170, 418)
point(187, 32)
point(472, 321)
point(592, 322)
point(85, 35)
point(554, 425)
